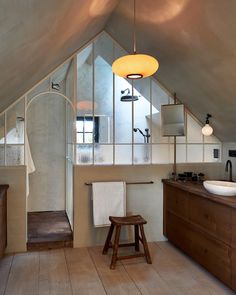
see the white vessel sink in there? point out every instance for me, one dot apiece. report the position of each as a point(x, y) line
point(223, 188)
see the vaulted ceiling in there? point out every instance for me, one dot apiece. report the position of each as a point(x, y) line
point(38, 35)
point(194, 41)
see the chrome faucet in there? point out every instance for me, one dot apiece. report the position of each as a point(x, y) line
point(229, 164)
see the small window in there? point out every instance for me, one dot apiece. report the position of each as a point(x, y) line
point(85, 128)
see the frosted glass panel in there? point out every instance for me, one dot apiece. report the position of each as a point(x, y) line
point(103, 154)
point(142, 154)
point(142, 111)
point(194, 131)
point(15, 124)
point(84, 154)
point(70, 123)
point(15, 155)
point(70, 151)
point(2, 128)
point(181, 153)
point(159, 97)
point(69, 191)
point(123, 111)
point(123, 154)
point(103, 87)
point(2, 155)
point(85, 82)
point(160, 154)
point(194, 153)
point(212, 153)
point(70, 82)
point(42, 87)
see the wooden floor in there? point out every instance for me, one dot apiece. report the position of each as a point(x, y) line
point(48, 229)
point(86, 271)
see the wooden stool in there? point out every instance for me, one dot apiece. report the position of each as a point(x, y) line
point(117, 222)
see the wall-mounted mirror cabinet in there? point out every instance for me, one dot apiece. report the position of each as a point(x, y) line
point(173, 120)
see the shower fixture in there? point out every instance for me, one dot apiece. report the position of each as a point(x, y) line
point(127, 96)
point(21, 119)
point(145, 136)
point(56, 86)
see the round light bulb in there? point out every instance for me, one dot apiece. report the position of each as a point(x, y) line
point(207, 130)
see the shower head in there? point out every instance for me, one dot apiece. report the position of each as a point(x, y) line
point(128, 97)
point(140, 131)
point(56, 86)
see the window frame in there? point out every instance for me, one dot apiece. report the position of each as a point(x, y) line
point(95, 132)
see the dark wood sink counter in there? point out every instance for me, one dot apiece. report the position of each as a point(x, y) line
point(203, 225)
point(198, 189)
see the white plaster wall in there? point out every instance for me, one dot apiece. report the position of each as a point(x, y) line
point(15, 177)
point(46, 132)
point(146, 200)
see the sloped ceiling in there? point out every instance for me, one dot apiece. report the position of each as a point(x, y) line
point(195, 43)
point(38, 35)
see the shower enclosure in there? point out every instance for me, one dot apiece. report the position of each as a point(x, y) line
point(49, 128)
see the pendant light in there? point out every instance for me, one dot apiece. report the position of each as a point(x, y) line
point(135, 66)
point(207, 130)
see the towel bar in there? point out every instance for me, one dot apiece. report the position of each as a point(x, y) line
point(138, 182)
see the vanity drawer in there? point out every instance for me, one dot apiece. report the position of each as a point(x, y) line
point(234, 228)
point(177, 201)
point(212, 217)
point(177, 232)
point(215, 256)
point(233, 265)
point(210, 253)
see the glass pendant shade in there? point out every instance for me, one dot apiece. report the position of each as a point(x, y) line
point(207, 130)
point(135, 66)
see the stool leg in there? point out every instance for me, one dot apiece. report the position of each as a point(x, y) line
point(107, 243)
point(145, 245)
point(115, 247)
point(136, 235)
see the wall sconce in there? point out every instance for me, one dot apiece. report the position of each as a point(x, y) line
point(207, 130)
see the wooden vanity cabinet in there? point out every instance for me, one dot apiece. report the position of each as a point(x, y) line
point(202, 227)
point(3, 218)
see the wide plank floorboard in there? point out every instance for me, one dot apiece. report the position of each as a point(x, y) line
point(83, 275)
point(85, 271)
point(205, 283)
point(23, 277)
point(117, 281)
point(53, 273)
point(5, 266)
point(147, 279)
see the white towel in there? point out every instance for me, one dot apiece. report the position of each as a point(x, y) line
point(109, 199)
point(30, 167)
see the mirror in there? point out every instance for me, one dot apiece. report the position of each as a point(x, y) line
point(173, 120)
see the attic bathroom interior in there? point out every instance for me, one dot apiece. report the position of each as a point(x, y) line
point(86, 134)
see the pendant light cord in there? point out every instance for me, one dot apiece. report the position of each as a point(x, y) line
point(134, 27)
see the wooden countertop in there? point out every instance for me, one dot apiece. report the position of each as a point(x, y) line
point(198, 189)
point(3, 188)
